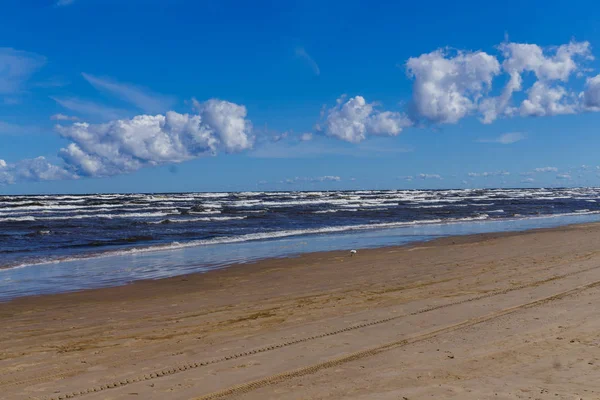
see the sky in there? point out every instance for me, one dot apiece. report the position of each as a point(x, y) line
point(182, 95)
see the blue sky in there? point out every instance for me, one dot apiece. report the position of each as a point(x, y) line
point(154, 95)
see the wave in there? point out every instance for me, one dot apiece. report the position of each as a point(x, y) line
point(277, 235)
point(246, 238)
point(18, 219)
point(334, 211)
point(89, 211)
point(202, 219)
point(89, 216)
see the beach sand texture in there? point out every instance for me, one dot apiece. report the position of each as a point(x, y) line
point(493, 316)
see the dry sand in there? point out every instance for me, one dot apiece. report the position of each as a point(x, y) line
point(497, 316)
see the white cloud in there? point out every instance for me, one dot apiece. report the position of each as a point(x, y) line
point(126, 145)
point(488, 174)
point(90, 108)
point(326, 178)
point(546, 169)
point(354, 119)
point(228, 121)
point(306, 137)
point(527, 180)
point(429, 176)
point(140, 97)
point(591, 95)
point(563, 176)
point(301, 53)
point(506, 138)
point(329, 178)
point(16, 67)
point(63, 117)
point(37, 169)
point(545, 100)
point(448, 87)
point(521, 57)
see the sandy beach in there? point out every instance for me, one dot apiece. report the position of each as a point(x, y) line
point(502, 316)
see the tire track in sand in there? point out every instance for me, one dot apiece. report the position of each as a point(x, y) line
point(278, 378)
point(194, 365)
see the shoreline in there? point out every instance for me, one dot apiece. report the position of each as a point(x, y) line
point(114, 271)
point(257, 266)
point(455, 317)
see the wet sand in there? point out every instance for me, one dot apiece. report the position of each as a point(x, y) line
point(503, 316)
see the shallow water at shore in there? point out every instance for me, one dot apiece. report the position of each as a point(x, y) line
point(114, 270)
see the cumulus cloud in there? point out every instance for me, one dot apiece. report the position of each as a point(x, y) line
point(36, 169)
point(591, 95)
point(126, 145)
point(546, 169)
point(559, 65)
point(140, 97)
point(450, 86)
point(506, 138)
point(548, 65)
point(16, 67)
point(447, 87)
point(563, 176)
point(301, 53)
point(527, 180)
point(545, 100)
point(354, 119)
point(63, 117)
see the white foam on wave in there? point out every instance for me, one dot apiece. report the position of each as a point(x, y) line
point(337, 210)
point(60, 207)
point(82, 211)
point(202, 219)
point(88, 216)
point(17, 219)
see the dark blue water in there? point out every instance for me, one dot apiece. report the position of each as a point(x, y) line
point(59, 243)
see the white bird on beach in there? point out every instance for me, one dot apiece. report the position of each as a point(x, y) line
point(352, 252)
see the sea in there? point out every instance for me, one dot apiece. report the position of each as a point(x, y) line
point(60, 243)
